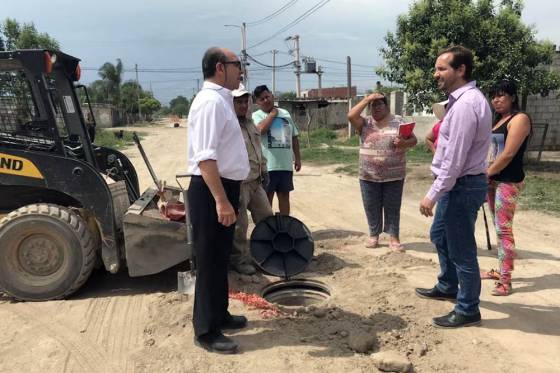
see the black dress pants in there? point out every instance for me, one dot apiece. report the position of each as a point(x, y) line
point(212, 248)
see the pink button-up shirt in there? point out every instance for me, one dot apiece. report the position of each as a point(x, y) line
point(464, 139)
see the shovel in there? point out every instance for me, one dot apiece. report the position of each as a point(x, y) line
point(185, 282)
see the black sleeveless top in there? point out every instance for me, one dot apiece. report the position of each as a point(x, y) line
point(513, 172)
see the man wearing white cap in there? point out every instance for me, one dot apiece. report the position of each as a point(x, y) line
point(252, 195)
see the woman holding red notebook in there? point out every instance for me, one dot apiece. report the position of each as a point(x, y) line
point(382, 167)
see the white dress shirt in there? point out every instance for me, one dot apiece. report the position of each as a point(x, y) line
point(214, 133)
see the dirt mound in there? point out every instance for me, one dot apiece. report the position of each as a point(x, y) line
point(356, 320)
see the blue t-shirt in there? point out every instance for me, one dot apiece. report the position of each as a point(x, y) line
point(277, 141)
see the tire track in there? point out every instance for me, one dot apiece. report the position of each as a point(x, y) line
point(117, 327)
point(88, 356)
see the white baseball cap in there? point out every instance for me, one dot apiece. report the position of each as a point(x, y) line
point(439, 109)
point(239, 92)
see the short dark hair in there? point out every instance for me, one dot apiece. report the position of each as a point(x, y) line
point(259, 90)
point(384, 99)
point(211, 57)
point(507, 87)
point(461, 56)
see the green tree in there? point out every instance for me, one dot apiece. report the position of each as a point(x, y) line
point(163, 111)
point(112, 77)
point(179, 106)
point(14, 35)
point(504, 47)
point(97, 92)
point(149, 105)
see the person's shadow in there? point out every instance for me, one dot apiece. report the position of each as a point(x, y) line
point(526, 318)
point(331, 331)
point(532, 284)
point(428, 247)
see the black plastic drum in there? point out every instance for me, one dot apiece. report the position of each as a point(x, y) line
point(282, 246)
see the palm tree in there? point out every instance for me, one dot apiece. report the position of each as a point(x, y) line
point(112, 76)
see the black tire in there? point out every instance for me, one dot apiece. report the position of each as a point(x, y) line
point(46, 252)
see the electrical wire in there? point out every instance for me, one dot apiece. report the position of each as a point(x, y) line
point(306, 14)
point(273, 14)
point(270, 66)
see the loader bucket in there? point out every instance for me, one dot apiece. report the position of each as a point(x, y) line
point(153, 243)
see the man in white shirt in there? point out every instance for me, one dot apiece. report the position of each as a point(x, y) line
point(218, 161)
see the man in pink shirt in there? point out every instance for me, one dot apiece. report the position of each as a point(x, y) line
point(459, 188)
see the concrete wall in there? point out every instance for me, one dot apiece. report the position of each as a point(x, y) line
point(332, 116)
point(105, 115)
point(547, 110)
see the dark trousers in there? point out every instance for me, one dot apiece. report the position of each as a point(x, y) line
point(382, 203)
point(212, 247)
point(452, 233)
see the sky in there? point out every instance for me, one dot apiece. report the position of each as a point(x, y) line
point(167, 38)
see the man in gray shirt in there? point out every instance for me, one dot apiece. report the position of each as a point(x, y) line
point(459, 188)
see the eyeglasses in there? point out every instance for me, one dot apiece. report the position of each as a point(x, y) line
point(234, 63)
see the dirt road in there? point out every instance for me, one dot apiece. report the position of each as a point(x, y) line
point(118, 324)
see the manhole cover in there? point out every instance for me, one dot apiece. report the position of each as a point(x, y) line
point(299, 293)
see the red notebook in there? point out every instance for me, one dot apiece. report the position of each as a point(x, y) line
point(405, 129)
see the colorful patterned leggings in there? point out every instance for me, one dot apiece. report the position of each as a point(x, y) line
point(502, 200)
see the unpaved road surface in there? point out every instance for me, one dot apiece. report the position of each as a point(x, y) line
point(119, 324)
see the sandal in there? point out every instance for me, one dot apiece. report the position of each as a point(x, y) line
point(502, 289)
point(372, 242)
point(490, 275)
point(397, 247)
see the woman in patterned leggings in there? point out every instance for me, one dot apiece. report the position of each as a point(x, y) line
point(505, 173)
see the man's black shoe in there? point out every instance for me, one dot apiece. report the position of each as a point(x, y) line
point(234, 322)
point(216, 342)
point(435, 293)
point(456, 320)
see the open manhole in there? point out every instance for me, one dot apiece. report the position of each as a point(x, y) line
point(296, 293)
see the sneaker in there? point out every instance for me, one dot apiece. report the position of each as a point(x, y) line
point(502, 289)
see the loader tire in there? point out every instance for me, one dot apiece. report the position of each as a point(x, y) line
point(46, 252)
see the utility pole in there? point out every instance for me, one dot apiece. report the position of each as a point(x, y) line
point(319, 82)
point(274, 51)
point(349, 91)
point(244, 55)
point(295, 38)
point(244, 62)
point(138, 92)
point(298, 68)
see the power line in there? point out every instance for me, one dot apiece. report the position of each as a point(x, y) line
point(344, 63)
point(306, 14)
point(273, 14)
point(158, 71)
point(269, 66)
